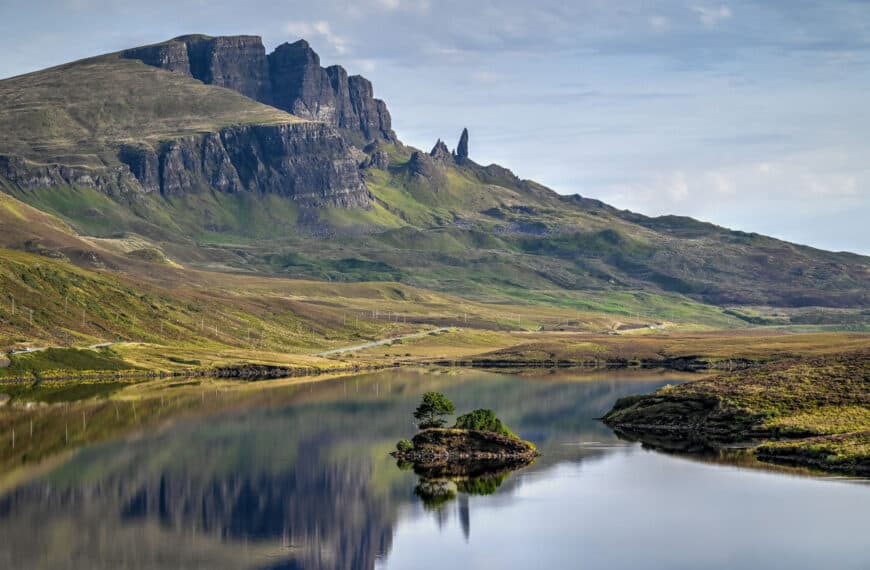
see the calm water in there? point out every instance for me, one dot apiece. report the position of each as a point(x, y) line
point(300, 478)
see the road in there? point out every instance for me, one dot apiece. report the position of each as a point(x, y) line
point(379, 342)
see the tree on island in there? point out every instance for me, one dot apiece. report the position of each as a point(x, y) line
point(431, 411)
point(484, 420)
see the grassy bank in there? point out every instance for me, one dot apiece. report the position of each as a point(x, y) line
point(812, 411)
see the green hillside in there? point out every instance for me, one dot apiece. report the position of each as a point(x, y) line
point(79, 113)
point(442, 224)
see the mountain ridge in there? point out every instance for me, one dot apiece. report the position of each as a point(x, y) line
point(214, 177)
point(289, 78)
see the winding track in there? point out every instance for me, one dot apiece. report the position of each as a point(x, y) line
point(380, 342)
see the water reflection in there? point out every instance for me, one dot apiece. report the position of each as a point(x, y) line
point(440, 483)
point(300, 477)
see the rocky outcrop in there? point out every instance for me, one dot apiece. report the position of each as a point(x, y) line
point(440, 152)
point(376, 157)
point(462, 147)
point(235, 62)
point(31, 176)
point(304, 88)
point(289, 78)
point(459, 445)
point(308, 162)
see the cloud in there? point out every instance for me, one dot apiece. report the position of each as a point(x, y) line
point(676, 186)
point(364, 65)
point(711, 16)
point(659, 24)
point(420, 6)
point(486, 77)
point(390, 4)
point(319, 29)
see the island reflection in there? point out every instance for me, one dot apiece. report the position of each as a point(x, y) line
point(305, 482)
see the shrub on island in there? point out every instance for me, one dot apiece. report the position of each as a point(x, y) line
point(484, 420)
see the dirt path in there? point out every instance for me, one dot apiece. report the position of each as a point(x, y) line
point(379, 342)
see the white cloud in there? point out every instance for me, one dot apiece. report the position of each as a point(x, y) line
point(404, 5)
point(677, 187)
point(364, 65)
point(321, 29)
point(390, 4)
point(710, 16)
point(721, 183)
point(659, 24)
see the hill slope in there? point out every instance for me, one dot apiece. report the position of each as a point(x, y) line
point(123, 150)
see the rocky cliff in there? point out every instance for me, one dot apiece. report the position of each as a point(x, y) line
point(308, 162)
point(235, 62)
point(289, 78)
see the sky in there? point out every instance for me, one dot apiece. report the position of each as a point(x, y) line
point(749, 114)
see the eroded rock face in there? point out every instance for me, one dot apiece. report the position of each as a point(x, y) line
point(440, 151)
point(462, 147)
point(289, 78)
point(30, 176)
point(308, 162)
point(304, 88)
point(235, 62)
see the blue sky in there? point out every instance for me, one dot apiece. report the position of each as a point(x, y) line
point(749, 114)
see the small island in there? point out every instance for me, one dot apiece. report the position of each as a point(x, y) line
point(478, 441)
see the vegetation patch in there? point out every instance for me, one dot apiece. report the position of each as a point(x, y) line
point(54, 360)
point(822, 401)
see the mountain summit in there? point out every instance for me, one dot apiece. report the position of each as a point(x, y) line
point(289, 78)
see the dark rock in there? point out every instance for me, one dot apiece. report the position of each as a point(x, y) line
point(462, 147)
point(377, 159)
point(428, 170)
point(308, 162)
point(289, 78)
point(31, 176)
point(420, 164)
point(440, 151)
point(235, 62)
point(144, 165)
point(307, 90)
point(171, 56)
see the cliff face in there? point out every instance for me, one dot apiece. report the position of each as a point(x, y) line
point(30, 176)
point(302, 87)
point(289, 78)
point(308, 162)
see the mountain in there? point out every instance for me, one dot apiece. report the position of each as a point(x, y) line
point(217, 155)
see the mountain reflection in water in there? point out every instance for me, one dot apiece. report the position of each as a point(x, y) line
point(304, 480)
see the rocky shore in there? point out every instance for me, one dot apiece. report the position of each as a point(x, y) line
point(451, 445)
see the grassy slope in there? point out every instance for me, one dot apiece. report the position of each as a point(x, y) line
point(77, 113)
point(823, 400)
